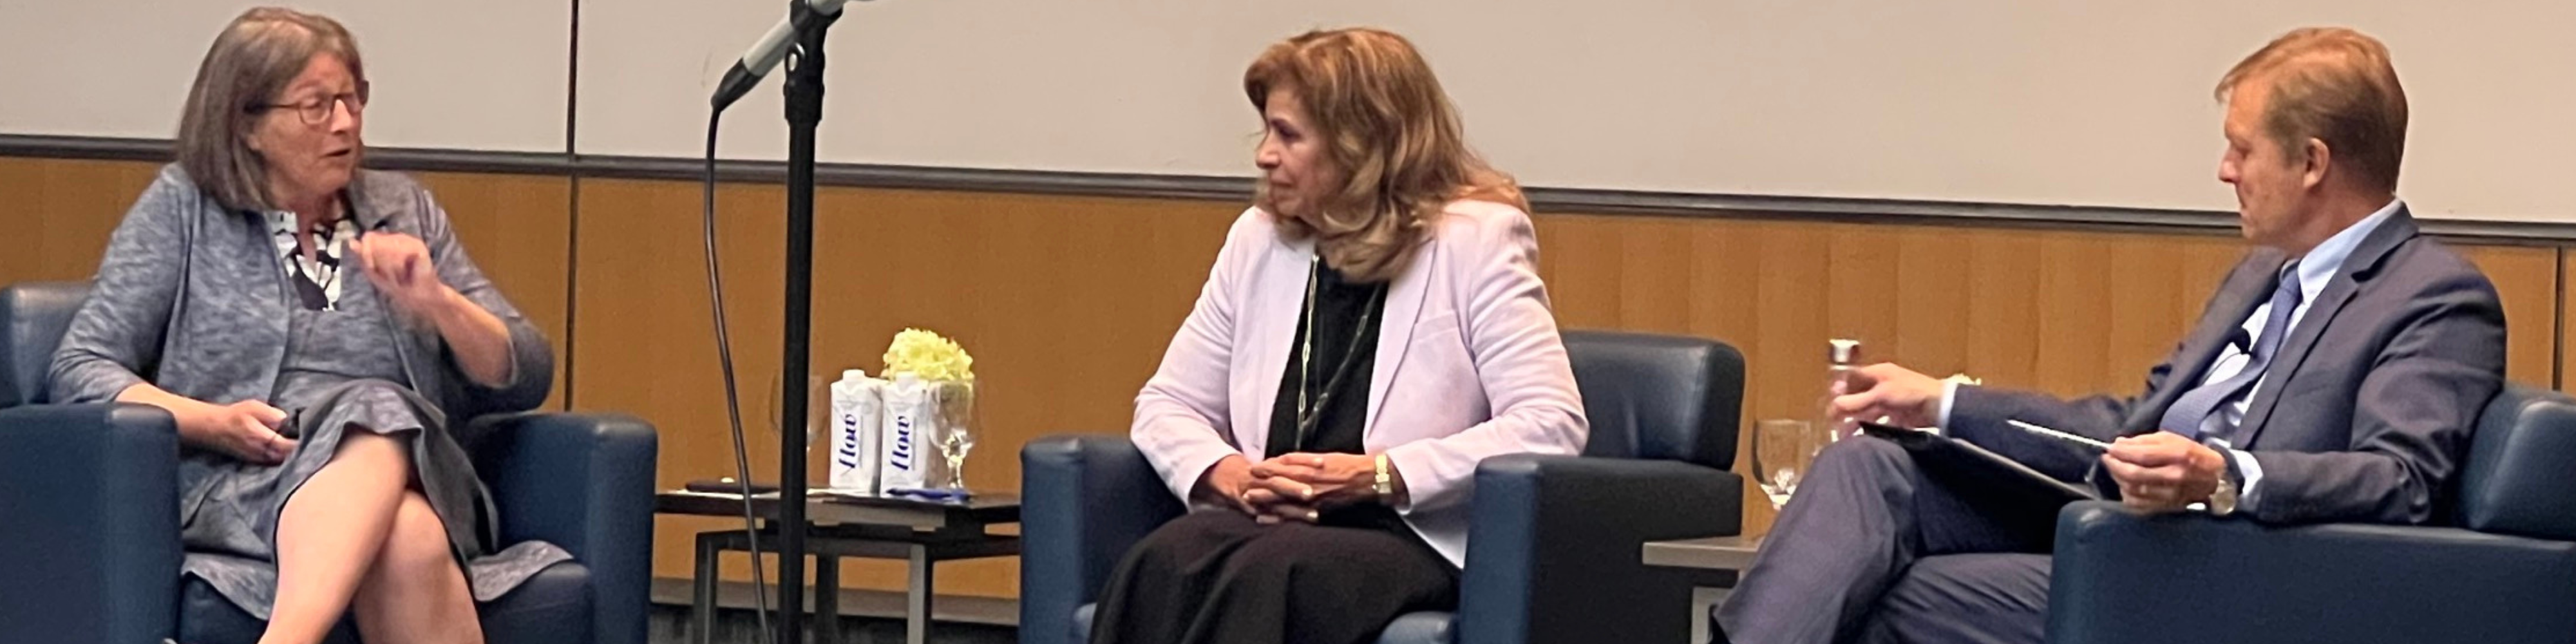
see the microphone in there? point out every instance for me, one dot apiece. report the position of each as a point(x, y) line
point(766, 53)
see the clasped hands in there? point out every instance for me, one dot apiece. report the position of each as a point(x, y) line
point(1291, 487)
point(2157, 472)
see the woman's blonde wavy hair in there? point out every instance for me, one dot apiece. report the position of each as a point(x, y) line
point(1391, 130)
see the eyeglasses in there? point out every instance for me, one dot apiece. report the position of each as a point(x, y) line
point(316, 111)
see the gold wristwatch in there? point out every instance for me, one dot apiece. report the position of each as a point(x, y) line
point(1384, 486)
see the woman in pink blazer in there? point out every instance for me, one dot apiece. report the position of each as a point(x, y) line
point(1373, 328)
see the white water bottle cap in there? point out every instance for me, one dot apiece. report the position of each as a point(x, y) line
point(1845, 351)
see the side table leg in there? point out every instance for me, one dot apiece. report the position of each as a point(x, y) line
point(917, 610)
point(702, 592)
point(827, 599)
point(1704, 603)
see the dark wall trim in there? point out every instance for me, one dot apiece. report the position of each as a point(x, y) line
point(404, 159)
point(1239, 189)
point(1883, 211)
point(854, 175)
point(84, 147)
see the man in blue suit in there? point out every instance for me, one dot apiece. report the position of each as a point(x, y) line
point(2334, 377)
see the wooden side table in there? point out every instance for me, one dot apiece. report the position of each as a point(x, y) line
point(1714, 561)
point(920, 532)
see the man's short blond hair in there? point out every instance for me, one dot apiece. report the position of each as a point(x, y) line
point(2334, 85)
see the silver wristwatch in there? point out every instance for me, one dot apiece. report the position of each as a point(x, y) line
point(2223, 501)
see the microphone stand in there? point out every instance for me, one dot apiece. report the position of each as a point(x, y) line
point(804, 88)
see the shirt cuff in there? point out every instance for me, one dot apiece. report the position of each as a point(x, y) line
point(2251, 471)
point(1949, 392)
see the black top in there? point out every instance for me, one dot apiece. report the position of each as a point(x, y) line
point(1341, 319)
point(1335, 351)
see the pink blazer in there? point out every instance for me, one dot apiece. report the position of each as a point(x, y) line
point(1469, 364)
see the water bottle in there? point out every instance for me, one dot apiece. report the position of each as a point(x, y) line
point(908, 414)
point(857, 414)
point(1839, 363)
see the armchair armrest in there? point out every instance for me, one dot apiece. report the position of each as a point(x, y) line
point(89, 523)
point(1084, 501)
point(583, 482)
point(2120, 576)
point(1558, 541)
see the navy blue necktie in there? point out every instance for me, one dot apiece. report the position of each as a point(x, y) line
point(2191, 412)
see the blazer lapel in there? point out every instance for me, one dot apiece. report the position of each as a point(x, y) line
point(370, 201)
point(1276, 297)
point(2303, 338)
point(1404, 300)
point(2237, 300)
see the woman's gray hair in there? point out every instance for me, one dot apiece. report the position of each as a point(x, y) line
point(251, 62)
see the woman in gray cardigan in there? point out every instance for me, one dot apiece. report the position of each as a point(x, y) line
point(314, 329)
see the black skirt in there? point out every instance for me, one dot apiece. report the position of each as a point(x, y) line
point(1216, 576)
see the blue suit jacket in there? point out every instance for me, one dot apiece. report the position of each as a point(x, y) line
point(2369, 403)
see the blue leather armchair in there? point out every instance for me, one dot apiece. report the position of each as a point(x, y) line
point(1552, 555)
point(89, 512)
point(2505, 574)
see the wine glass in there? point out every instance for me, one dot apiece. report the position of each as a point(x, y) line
point(956, 429)
point(818, 408)
point(1782, 451)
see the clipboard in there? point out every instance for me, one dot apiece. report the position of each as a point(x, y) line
point(1988, 480)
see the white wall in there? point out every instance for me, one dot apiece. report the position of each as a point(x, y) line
point(2096, 103)
point(476, 74)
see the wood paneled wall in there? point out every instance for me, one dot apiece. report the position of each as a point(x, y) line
point(55, 217)
point(1067, 302)
point(2066, 312)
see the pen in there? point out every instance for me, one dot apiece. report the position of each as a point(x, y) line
point(2051, 433)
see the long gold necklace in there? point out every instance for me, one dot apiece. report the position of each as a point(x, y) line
point(1308, 414)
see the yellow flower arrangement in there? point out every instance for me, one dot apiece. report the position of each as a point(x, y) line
point(949, 374)
point(928, 357)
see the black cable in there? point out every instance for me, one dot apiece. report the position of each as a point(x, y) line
point(733, 397)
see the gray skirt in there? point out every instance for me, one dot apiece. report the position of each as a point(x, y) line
point(231, 530)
